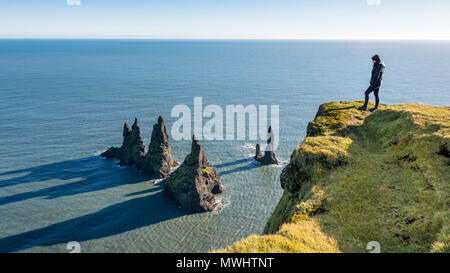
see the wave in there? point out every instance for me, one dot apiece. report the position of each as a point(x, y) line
point(98, 153)
point(223, 202)
point(249, 146)
point(282, 164)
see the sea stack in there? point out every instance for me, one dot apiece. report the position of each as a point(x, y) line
point(194, 183)
point(159, 159)
point(268, 157)
point(132, 150)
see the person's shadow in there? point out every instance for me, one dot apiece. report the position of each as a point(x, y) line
point(115, 219)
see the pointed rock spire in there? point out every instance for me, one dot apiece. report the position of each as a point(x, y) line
point(195, 182)
point(258, 153)
point(126, 130)
point(132, 150)
point(159, 159)
point(268, 157)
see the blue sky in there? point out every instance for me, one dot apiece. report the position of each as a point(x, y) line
point(221, 19)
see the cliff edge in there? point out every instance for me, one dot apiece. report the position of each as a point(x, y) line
point(360, 177)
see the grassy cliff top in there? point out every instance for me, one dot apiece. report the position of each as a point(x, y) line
point(361, 177)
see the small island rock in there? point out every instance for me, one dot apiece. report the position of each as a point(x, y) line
point(268, 157)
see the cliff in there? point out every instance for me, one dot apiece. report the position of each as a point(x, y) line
point(360, 177)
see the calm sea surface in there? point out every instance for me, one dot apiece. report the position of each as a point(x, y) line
point(64, 101)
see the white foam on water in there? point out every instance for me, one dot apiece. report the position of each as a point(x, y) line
point(98, 153)
point(222, 203)
point(249, 146)
point(156, 181)
point(282, 164)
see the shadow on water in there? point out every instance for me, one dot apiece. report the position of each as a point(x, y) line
point(92, 174)
point(231, 163)
point(61, 170)
point(95, 175)
point(251, 164)
point(144, 191)
point(75, 177)
point(115, 219)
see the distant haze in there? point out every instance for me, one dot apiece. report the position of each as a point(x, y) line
point(226, 19)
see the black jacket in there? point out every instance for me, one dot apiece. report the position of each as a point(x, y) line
point(377, 73)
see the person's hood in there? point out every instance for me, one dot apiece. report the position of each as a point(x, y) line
point(380, 63)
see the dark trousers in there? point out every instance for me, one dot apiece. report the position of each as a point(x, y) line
point(375, 89)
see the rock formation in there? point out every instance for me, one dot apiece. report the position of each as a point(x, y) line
point(132, 150)
point(159, 159)
point(258, 153)
point(195, 182)
point(268, 157)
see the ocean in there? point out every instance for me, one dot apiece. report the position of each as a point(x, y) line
point(64, 101)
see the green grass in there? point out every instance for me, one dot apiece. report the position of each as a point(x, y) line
point(304, 236)
point(381, 177)
point(206, 170)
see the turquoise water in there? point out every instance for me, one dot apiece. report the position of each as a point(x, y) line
point(63, 101)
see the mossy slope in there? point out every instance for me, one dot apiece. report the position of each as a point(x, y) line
point(358, 178)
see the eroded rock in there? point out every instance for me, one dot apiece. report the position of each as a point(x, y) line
point(132, 150)
point(194, 183)
point(159, 159)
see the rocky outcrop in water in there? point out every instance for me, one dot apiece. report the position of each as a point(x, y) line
point(194, 183)
point(268, 157)
point(159, 159)
point(132, 150)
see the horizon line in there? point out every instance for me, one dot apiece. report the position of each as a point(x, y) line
point(224, 39)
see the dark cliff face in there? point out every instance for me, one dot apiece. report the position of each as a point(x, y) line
point(195, 182)
point(159, 157)
point(157, 161)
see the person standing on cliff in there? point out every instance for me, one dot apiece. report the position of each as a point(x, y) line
point(375, 83)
